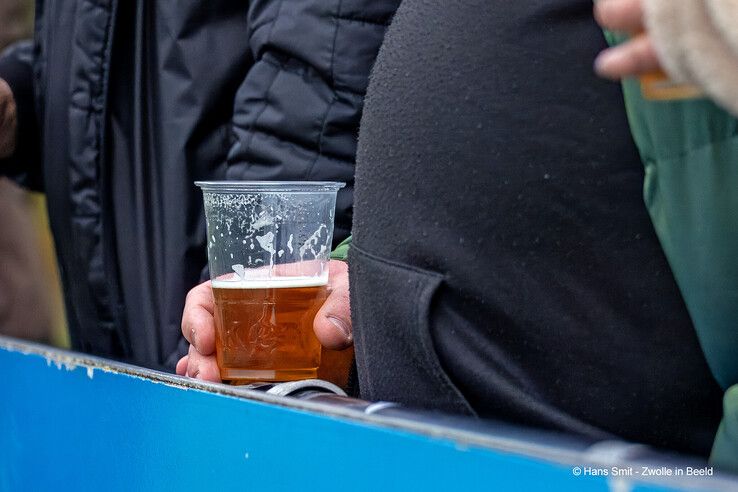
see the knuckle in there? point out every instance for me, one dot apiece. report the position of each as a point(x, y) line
point(195, 338)
point(190, 294)
point(186, 326)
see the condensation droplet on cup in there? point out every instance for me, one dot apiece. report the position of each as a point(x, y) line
point(266, 242)
point(311, 242)
point(240, 271)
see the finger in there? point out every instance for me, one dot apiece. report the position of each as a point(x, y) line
point(636, 57)
point(199, 298)
point(198, 322)
point(620, 15)
point(6, 97)
point(8, 120)
point(182, 366)
point(202, 367)
point(332, 323)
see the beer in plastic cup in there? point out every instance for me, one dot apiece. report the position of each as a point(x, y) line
point(268, 251)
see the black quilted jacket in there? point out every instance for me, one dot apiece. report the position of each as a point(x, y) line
point(124, 104)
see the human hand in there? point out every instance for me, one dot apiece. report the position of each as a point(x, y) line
point(633, 58)
point(332, 324)
point(8, 120)
point(198, 327)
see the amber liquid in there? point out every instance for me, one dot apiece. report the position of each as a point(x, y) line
point(658, 87)
point(266, 333)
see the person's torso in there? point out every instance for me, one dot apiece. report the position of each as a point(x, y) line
point(136, 102)
point(498, 175)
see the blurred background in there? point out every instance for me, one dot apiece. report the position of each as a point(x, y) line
point(31, 304)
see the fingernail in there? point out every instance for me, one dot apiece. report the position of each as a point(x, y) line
point(341, 325)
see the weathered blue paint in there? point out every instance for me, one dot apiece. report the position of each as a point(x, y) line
point(81, 428)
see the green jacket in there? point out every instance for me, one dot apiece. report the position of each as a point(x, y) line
point(341, 251)
point(690, 153)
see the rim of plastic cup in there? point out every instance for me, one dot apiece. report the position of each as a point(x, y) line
point(269, 186)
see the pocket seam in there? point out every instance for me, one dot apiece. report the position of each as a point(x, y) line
point(394, 263)
point(422, 328)
point(426, 340)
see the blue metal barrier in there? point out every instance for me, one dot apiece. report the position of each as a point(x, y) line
point(72, 422)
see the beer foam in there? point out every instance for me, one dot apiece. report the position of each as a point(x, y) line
point(272, 283)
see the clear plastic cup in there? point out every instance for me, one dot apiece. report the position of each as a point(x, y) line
point(268, 250)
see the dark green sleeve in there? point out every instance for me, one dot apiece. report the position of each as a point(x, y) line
point(614, 38)
point(689, 149)
point(341, 251)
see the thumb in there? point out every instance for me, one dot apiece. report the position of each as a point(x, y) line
point(332, 324)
